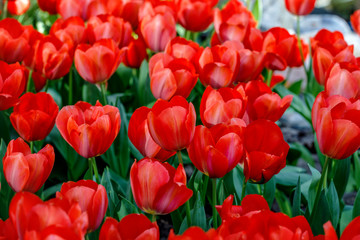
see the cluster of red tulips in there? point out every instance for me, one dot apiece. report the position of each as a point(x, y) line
point(222, 127)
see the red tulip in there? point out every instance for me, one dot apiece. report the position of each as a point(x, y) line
point(139, 135)
point(352, 230)
point(233, 21)
point(216, 151)
point(70, 31)
point(48, 6)
point(262, 102)
point(7, 230)
point(81, 8)
point(91, 197)
point(132, 226)
point(157, 26)
point(108, 26)
point(158, 188)
point(18, 7)
point(343, 81)
point(266, 150)
point(218, 66)
point(195, 15)
point(134, 54)
point(355, 21)
point(25, 171)
point(172, 124)
point(34, 116)
point(171, 76)
point(334, 42)
point(127, 10)
point(336, 123)
point(12, 84)
point(34, 218)
point(82, 125)
point(13, 41)
point(182, 48)
point(300, 7)
point(195, 233)
point(98, 62)
point(219, 106)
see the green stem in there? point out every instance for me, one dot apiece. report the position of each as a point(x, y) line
point(28, 85)
point(95, 169)
point(179, 157)
point(103, 92)
point(300, 45)
point(188, 216)
point(243, 190)
point(32, 146)
point(321, 185)
point(70, 96)
point(269, 77)
point(91, 168)
point(188, 35)
point(248, 3)
point(205, 184)
point(4, 12)
point(153, 218)
point(215, 225)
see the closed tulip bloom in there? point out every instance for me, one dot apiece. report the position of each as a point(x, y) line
point(181, 48)
point(134, 54)
point(355, 21)
point(219, 106)
point(18, 7)
point(25, 171)
point(7, 230)
point(108, 26)
point(171, 76)
point(139, 135)
point(48, 6)
point(334, 42)
point(336, 123)
point(218, 66)
point(132, 226)
point(34, 116)
point(98, 62)
point(91, 197)
point(80, 8)
point(127, 10)
point(195, 233)
point(13, 41)
point(12, 84)
point(158, 188)
point(216, 151)
point(82, 125)
point(266, 151)
point(172, 124)
point(300, 7)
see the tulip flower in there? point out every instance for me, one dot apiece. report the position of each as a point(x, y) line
point(134, 54)
point(82, 125)
point(355, 21)
point(127, 10)
point(13, 41)
point(7, 230)
point(194, 233)
point(12, 84)
point(157, 26)
point(80, 8)
point(216, 151)
point(34, 218)
point(182, 48)
point(132, 226)
point(219, 106)
point(91, 197)
point(334, 42)
point(195, 15)
point(48, 6)
point(158, 188)
point(108, 26)
point(139, 135)
point(336, 123)
point(18, 7)
point(218, 66)
point(351, 231)
point(266, 151)
point(171, 77)
point(25, 171)
point(98, 62)
point(300, 7)
point(172, 124)
point(34, 116)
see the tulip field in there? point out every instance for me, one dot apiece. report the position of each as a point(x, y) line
point(154, 119)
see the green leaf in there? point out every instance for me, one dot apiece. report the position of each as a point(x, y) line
point(283, 202)
point(356, 209)
point(357, 169)
point(289, 176)
point(346, 218)
point(90, 93)
point(342, 173)
point(47, 193)
point(269, 191)
point(296, 207)
point(313, 187)
point(334, 205)
point(296, 87)
point(318, 152)
point(112, 196)
point(126, 208)
point(4, 126)
point(198, 217)
point(257, 11)
point(305, 153)
point(321, 215)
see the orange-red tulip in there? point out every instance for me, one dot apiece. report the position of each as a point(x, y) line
point(334, 42)
point(336, 123)
point(158, 188)
point(266, 150)
point(139, 135)
point(82, 125)
point(25, 171)
point(195, 233)
point(34, 116)
point(12, 84)
point(134, 54)
point(181, 48)
point(350, 232)
point(355, 21)
point(13, 41)
point(7, 230)
point(127, 10)
point(216, 151)
point(172, 124)
point(132, 226)
point(300, 7)
point(48, 6)
point(81, 8)
point(18, 7)
point(91, 197)
point(98, 62)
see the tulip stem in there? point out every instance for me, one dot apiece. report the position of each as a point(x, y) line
point(215, 225)
point(179, 157)
point(153, 218)
point(269, 77)
point(95, 169)
point(103, 92)
point(188, 217)
point(91, 168)
point(4, 15)
point(32, 146)
point(70, 96)
point(322, 183)
point(243, 190)
point(28, 85)
point(300, 45)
